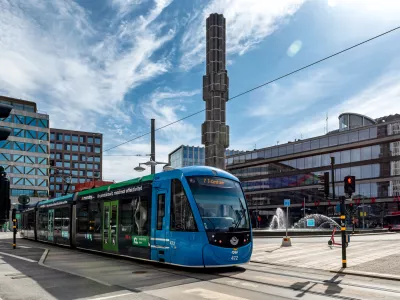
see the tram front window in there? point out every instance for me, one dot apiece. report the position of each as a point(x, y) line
point(220, 202)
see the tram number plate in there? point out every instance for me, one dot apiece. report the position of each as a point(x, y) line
point(235, 253)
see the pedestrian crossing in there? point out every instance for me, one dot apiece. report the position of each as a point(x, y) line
point(320, 255)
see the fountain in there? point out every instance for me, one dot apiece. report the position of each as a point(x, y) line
point(323, 225)
point(320, 222)
point(278, 220)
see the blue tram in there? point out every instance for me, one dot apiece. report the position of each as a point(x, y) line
point(193, 216)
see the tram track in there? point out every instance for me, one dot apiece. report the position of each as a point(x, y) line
point(302, 281)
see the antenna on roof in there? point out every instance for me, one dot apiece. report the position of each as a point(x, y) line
point(327, 122)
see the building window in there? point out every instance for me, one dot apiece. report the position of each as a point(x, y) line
point(59, 137)
point(75, 148)
point(5, 144)
point(82, 139)
point(67, 137)
point(90, 140)
point(42, 149)
point(59, 146)
point(97, 149)
point(67, 157)
point(43, 123)
point(181, 213)
point(74, 157)
point(52, 136)
point(97, 141)
point(75, 138)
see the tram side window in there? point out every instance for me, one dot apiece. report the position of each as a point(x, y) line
point(43, 219)
point(95, 217)
point(31, 220)
point(126, 217)
point(160, 211)
point(83, 219)
point(181, 213)
point(57, 219)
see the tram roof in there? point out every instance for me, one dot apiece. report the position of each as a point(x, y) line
point(67, 198)
point(117, 185)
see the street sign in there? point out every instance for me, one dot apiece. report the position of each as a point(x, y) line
point(286, 202)
point(310, 222)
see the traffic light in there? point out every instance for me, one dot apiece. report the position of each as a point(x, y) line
point(323, 182)
point(5, 202)
point(5, 111)
point(349, 185)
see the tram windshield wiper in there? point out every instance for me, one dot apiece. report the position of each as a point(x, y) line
point(242, 214)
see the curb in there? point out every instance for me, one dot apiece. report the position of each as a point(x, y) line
point(368, 274)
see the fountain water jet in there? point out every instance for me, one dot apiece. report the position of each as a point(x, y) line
point(278, 220)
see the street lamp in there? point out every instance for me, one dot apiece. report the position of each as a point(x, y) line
point(152, 163)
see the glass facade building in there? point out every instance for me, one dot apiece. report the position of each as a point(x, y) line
point(368, 150)
point(25, 154)
point(77, 158)
point(191, 156)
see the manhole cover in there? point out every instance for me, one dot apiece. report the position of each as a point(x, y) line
point(139, 272)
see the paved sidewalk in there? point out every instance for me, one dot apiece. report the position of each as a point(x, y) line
point(378, 257)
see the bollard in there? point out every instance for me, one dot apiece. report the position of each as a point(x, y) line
point(14, 212)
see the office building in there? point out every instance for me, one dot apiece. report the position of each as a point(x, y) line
point(185, 156)
point(363, 147)
point(77, 158)
point(25, 154)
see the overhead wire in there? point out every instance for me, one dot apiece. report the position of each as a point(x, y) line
point(261, 85)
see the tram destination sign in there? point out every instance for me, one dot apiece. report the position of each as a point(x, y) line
point(117, 192)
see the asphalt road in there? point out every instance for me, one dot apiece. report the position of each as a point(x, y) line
point(73, 274)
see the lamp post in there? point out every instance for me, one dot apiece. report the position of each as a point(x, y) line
point(151, 163)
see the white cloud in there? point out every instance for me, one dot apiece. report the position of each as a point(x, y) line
point(248, 22)
point(163, 106)
point(54, 55)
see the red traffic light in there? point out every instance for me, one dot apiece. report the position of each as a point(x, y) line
point(349, 180)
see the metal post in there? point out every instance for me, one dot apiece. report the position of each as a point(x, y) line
point(333, 177)
point(304, 207)
point(153, 146)
point(343, 229)
point(14, 218)
point(363, 212)
point(287, 219)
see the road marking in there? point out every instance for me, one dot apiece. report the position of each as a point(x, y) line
point(207, 294)
point(19, 257)
point(25, 247)
point(43, 257)
point(111, 297)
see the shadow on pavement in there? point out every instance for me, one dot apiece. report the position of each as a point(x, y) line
point(58, 284)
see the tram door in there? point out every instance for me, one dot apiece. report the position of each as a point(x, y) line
point(161, 241)
point(50, 225)
point(110, 226)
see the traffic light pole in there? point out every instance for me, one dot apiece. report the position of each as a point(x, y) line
point(343, 229)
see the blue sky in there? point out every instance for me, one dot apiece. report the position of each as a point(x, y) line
point(110, 65)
